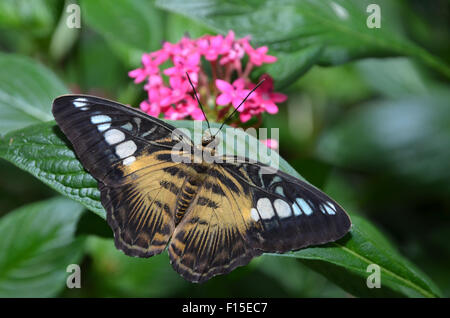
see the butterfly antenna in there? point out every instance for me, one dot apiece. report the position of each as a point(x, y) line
point(198, 101)
point(235, 110)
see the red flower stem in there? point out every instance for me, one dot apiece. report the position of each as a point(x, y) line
point(248, 69)
point(228, 71)
point(259, 122)
point(203, 83)
point(238, 67)
point(214, 71)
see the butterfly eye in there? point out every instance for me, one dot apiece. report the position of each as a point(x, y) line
point(207, 140)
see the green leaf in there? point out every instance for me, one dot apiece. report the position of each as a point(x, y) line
point(408, 137)
point(43, 151)
point(118, 275)
point(297, 278)
point(345, 263)
point(35, 16)
point(27, 90)
point(36, 247)
point(289, 27)
point(130, 26)
point(175, 28)
point(393, 77)
point(63, 38)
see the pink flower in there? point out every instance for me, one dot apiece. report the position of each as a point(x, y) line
point(153, 81)
point(138, 74)
point(154, 106)
point(233, 94)
point(251, 109)
point(258, 56)
point(153, 109)
point(187, 107)
point(182, 48)
point(151, 64)
point(236, 53)
point(270, 143)
point(213, 46)
point(266, 98)
point(170, 93)
point(183, 65)
point(179, 87)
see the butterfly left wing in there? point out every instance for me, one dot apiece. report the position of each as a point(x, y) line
point(239, 213)
point(129, 153)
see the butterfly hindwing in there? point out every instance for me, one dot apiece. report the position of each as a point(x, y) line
point(246, 212)
point(212, 238)
point(126, 151)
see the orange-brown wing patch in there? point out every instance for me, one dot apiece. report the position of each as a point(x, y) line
point(141, 209)
point(212, 237)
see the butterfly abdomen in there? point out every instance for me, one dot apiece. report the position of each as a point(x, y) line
point(186, 197)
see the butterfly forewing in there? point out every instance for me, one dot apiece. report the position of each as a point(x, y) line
point(126, 151)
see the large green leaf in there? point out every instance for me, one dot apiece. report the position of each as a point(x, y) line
point(335, 29)
point(118, 275)
point(35, 17)
point(131, 26)
point(43, 151)
point(27, 90)
point(408, 137)
point(36, 247)
point(345, 262)
point(394, 77)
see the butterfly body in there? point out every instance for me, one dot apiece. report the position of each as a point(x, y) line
point(213, 214)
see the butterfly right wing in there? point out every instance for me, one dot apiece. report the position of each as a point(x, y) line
point(240, 212)
point(129, 153)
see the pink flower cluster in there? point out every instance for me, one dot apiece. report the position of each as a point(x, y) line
point(170, 93)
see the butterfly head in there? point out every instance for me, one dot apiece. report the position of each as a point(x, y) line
point(209, 140)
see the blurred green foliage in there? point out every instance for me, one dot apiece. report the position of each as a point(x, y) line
point(367, 120)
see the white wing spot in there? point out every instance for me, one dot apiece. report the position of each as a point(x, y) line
point(100, 119)
point(296, 209)
point(254, 214)
point(114, 136)
point(282, 207)
point(305, 206)
point(331, 205)
point(128, 126)
point(329, 209)
point(279, 190)
point(265, 208)
point(79, 104)
point(275, 180)
point(126, 149)
point(129, 160)
point(103, 127)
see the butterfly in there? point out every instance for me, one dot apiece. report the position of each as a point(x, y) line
point(211, 216)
